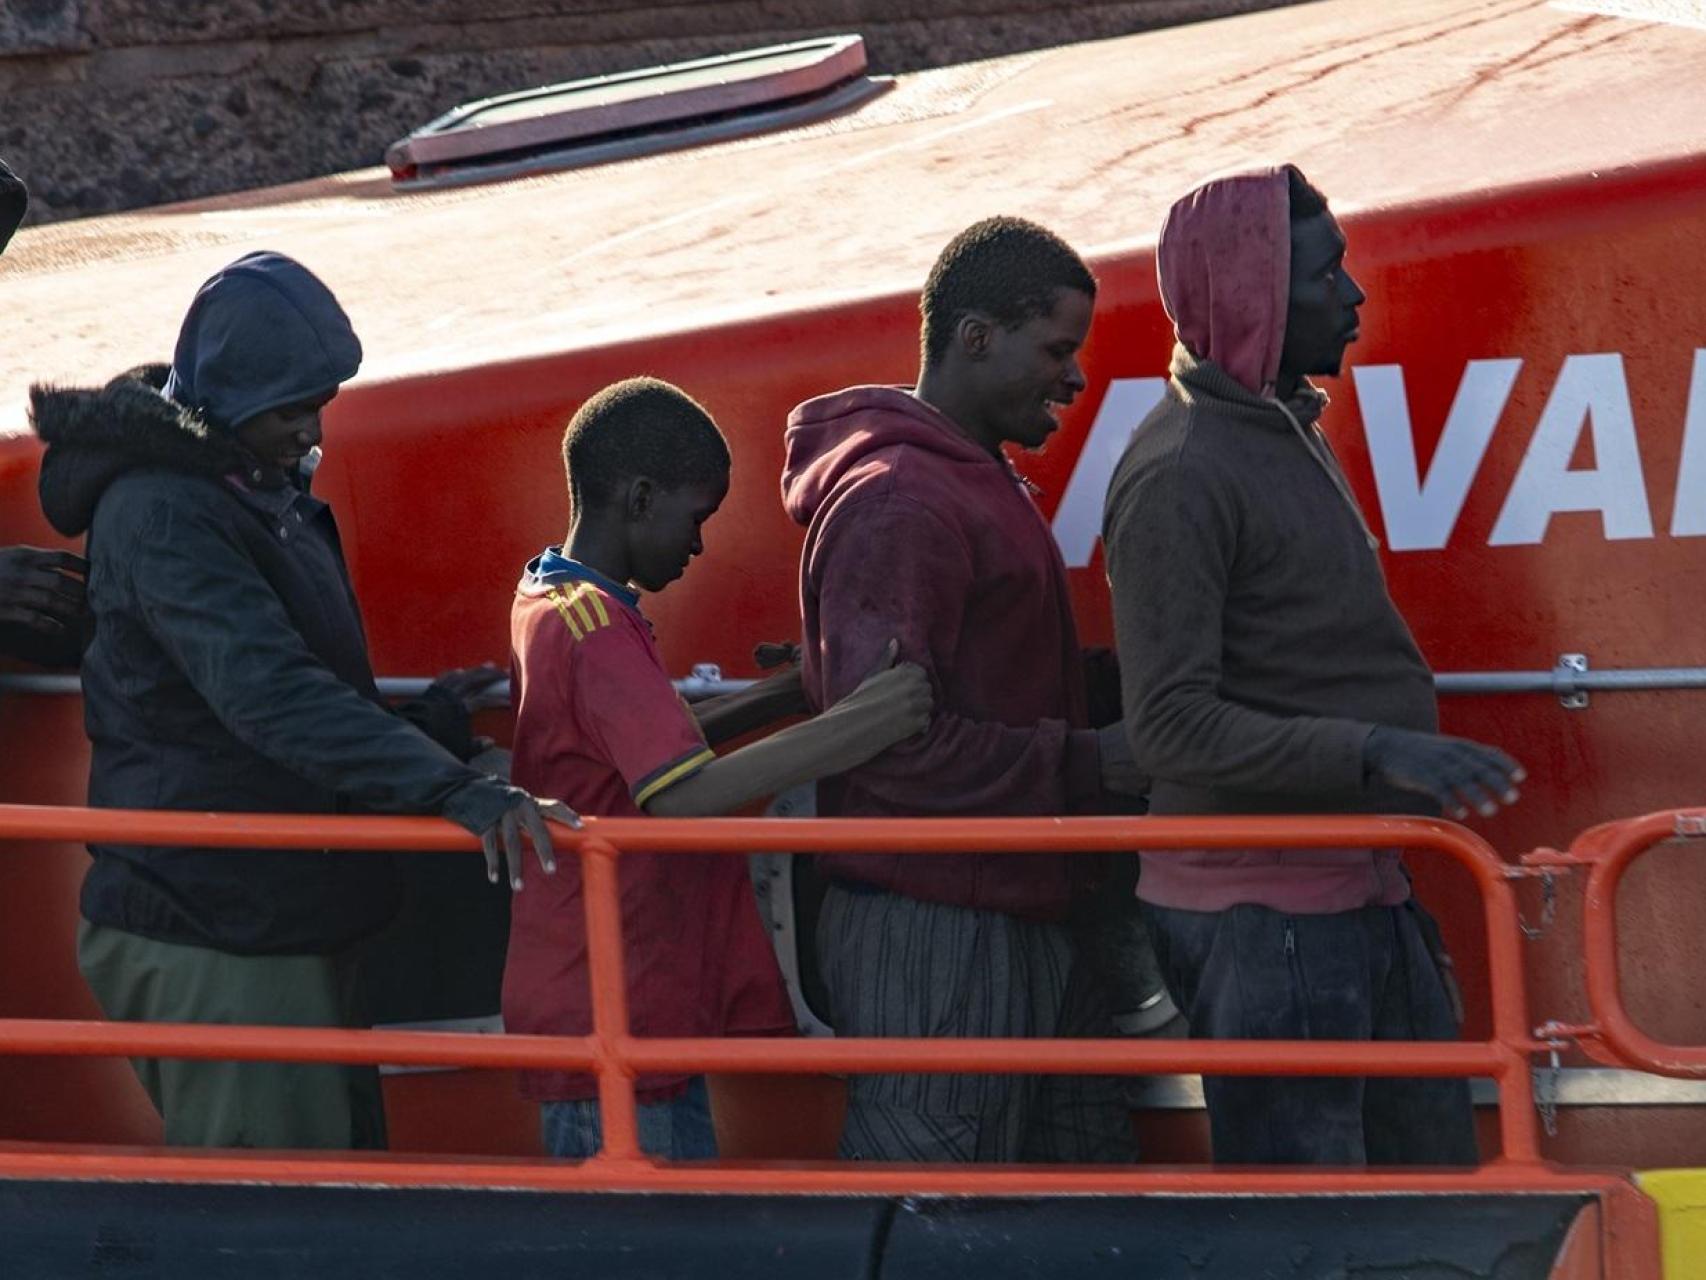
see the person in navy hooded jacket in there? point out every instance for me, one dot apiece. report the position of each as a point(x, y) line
point(229, 671)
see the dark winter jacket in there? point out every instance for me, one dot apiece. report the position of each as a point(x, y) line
point(16, 639)
point(229, 671)
point(14, 200)
point(1258, 645)
point(917, 534)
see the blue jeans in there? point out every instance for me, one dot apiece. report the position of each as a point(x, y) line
point(1250, 973)
point(679, 1129)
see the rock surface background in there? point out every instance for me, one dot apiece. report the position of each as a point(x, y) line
point(115, 104)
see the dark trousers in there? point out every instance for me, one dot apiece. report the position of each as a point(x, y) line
point(1249, 973)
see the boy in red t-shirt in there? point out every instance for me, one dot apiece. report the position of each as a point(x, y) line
point(599, 725)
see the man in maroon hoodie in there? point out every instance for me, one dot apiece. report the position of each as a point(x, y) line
point(1266, 670)
point(919, 528)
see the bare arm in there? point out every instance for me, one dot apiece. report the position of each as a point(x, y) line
point(729, 715)
point(890, 705)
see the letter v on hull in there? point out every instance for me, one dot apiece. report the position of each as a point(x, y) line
point(1078, 519)
point(1420, 514)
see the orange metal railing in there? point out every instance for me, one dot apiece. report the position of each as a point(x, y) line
point(1607, 852)
point(615, 1056)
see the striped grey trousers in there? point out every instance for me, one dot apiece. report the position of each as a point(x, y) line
point(895, 966)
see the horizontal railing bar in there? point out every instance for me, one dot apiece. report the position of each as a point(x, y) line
point(745, 835)
point(64, 1161)
point(50, 1037)
point(1572, 1087)
point(1609, 680)
point(1614, 680)
point(60, 684)
point(1069, 1057)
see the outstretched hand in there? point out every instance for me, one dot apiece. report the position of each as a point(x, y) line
point(473, 687)
point(43, 590)
point(1459, 774)
point(892, 702)
point(504, 838)
point(770, 654)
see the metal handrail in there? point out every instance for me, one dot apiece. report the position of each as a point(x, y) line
point(1608, 851)
point(1609, 680)
point(615, 1056)
point(62, 684)
point(1559, 681)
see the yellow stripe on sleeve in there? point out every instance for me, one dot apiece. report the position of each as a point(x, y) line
point(597, 597)
point(577, 598)
point(673, 775)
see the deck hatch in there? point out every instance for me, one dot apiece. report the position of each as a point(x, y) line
point(634, 113)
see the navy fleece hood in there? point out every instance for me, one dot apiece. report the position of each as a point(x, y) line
point(263, 332)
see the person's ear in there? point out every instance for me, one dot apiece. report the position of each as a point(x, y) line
point(641, 498)
point(974, 332)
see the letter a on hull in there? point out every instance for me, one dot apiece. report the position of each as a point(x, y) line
point(1591, 391)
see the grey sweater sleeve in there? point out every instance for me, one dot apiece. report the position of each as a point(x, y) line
point(1172, 536)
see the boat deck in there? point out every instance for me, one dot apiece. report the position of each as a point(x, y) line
point(1408, 100)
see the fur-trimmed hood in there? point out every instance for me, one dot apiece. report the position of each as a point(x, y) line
point(95, 435)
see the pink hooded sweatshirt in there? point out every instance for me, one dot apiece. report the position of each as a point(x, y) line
point(915, 533)
point(1258, 644)
point(1224, 261)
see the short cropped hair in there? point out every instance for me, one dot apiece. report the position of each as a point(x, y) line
point(1307, 201)
point(640, 427)
point(1008, 268)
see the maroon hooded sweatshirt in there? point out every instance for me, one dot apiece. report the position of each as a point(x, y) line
point(915, 533)
point(1258, 645)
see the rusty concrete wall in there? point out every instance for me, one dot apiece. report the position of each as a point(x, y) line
point(113, 104)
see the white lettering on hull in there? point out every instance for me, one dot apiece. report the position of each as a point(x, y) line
point(1078, 519)
point(1688, 516)
point(1420, 513)
point(1592, 392)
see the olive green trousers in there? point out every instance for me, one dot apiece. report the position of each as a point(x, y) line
point(208, 1103)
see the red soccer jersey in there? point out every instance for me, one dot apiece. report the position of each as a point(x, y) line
point(599, 726)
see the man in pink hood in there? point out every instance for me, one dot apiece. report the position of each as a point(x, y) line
point(1266, 670)
point(919, 528)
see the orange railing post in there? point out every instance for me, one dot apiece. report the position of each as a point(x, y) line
point(1512, 1031)
point(602, 889)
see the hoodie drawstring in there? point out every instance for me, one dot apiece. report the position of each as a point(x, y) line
point(1332, 472)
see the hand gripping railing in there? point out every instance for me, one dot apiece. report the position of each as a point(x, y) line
point(1607, 851)
point(616, 1056)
